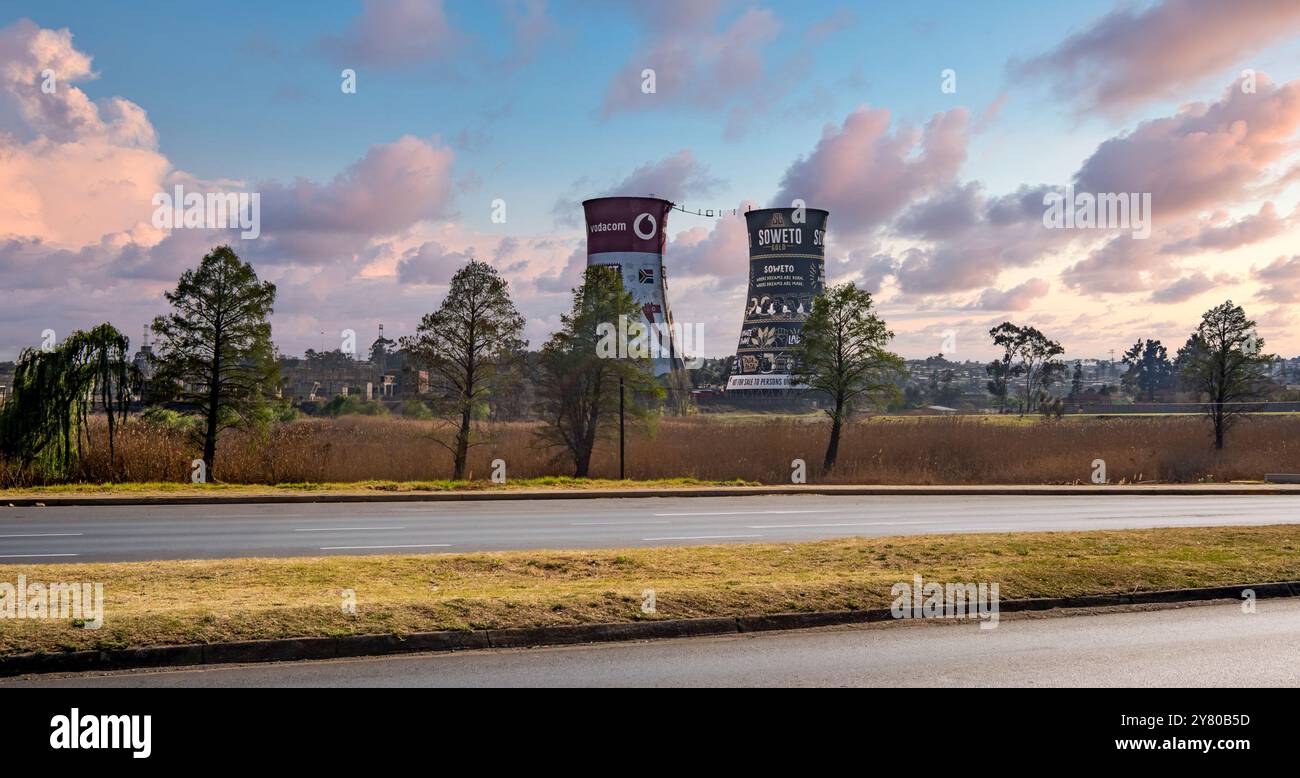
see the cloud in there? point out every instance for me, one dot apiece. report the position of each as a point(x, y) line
point(1247, 230)
point(1134, 55)
point(866, 266)
point(1120, 265)
point(675, 177)
point(1187, 287)
point(1017, 298)
point(1207, 155)
point(972, 238)
point(391, 34)
point(431, 263)
point(394, 186)
point(672, 178)
point(71, 170)
point(697, 61)
point(864, 174)
point(720, 252)
point(28, 54)
point(1281, 279)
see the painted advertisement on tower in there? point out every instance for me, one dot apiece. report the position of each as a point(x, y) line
point(787, 270)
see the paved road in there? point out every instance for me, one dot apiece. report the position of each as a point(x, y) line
point(1205, 645)
point(125, 533)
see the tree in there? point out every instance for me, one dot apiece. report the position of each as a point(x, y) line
point(44, 421)
point(1223, 361)
point(470, 346)
point(1031, 354)
point(1076, 380)
point(842, 354)
point(1000, 372)
point(215, 346)
point(578, 384)
point(1149, 368)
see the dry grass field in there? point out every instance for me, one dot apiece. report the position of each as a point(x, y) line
point(882, 450)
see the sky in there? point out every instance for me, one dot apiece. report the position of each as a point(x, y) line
point(931, 132)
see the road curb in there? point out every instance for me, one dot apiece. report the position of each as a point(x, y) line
point(712, 491)
point(294, 649)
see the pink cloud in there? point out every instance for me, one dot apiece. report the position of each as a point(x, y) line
point(1187, 287)
point(1017, 298)
point(1281, 278)
point(864, 174)
point(1132, 55)
point(1249, 229)
point(393, 34)
point(431, 263)
point(394, 186)
point(720, 252)
point(72, 170)
point(971, 238)
point(695, 63)
point(675, 177)
point(1207, 155)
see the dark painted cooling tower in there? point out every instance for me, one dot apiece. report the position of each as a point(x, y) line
point(787, 269)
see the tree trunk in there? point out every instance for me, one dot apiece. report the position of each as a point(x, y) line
point(214, 413)
point(462, 446)
point(833, 447)
point(582, 462)
point(1218, 426)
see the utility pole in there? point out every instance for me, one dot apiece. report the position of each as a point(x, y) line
point(621, 449)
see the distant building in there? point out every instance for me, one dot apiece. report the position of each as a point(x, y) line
point(322, 376)
point(6, 379)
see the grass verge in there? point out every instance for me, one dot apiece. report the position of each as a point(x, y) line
point(178, 602)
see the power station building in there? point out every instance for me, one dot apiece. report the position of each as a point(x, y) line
point(629, 233)
point(787, 270)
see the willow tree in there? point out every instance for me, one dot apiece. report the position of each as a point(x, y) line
point(45, 420)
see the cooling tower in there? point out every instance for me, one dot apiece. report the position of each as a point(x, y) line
point(787, 269)
point(629, 233)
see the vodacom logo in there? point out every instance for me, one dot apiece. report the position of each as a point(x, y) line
point(648, 234)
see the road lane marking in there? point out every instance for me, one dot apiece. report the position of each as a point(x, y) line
point(704, 537)
point(46, 535)
point(30, 556)
point(257, 516)
point(613, 523)
point(343, 529)
point(839, 524)
point(747, 513)
point(418, 545)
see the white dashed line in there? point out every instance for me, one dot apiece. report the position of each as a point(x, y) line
point(343, 529)
point(613, 523)
point(745, 513)
point(841, 524)
point(351, 548)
